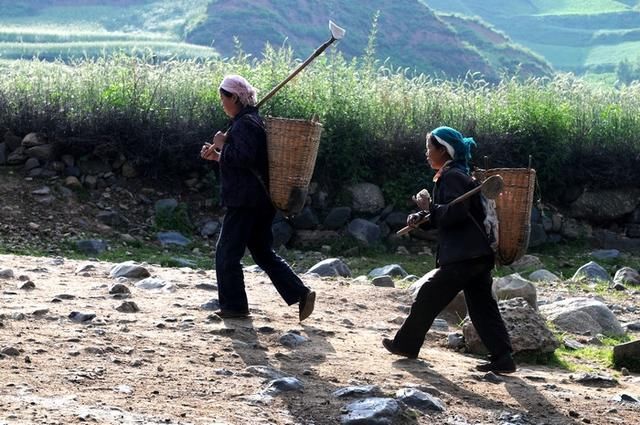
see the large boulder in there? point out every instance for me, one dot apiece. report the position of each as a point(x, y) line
point(627, 276)
point(12, 141)
point(337, 218)
point(394, 270)
point(305, 220)
point(582, 316)
point(33, 139)
point(331, 267)
point(514, 286)
point(627, 355)
point(366, 198)
point(364, 231)
point(606, 205)
point(591, 272)
point(526, 327)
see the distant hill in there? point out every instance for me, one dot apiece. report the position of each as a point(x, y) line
point(574, 35)
point(409, 33)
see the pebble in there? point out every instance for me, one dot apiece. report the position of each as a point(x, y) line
point(79, 317)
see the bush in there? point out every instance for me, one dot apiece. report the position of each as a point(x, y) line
point(375, 118)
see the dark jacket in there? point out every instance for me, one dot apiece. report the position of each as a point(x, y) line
point(243, 156)
point(459, 237)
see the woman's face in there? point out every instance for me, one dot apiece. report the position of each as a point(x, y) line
point(230, 104)
point(436, 155)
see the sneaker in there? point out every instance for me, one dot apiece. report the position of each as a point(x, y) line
point(231, 314)
point(501, 364)
point(388, 344)
point(306, 305)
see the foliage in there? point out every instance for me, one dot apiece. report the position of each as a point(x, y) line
point(177, 219)
point(574, 35)
point(375, 118)
point(627, 72)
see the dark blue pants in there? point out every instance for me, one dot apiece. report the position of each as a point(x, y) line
point(242, 228)
point(474, 278)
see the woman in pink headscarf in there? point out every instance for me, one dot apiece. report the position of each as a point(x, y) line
point(244, 175)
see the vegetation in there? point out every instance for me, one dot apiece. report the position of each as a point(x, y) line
point(574, 35)
point(90, 49)
point(585, 37)
point(427, 43)
point(55, 30)
point(375, 118)
point(627, 73)
point(175, 219)
point(436, 46)
point(584, 359)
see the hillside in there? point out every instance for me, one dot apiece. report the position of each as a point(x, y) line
point(576, 35)
point(408, 33)
point(51, 29)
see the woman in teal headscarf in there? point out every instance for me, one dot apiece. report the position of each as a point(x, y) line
point(464, 258)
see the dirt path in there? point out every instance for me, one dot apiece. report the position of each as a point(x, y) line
point(171, 363)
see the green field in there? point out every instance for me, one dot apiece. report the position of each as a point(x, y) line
point(561, 7)
point(580, 36)
point(594, 56)
point(151, 28)
point(86, 49)
point(70, 33)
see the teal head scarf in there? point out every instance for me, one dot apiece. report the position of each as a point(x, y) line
point(458, 146)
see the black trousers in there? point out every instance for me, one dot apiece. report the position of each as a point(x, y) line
point(242, 228)
point(474, 278)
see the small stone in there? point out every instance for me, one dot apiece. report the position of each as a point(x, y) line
point(119, 288)
point(79, 317)
point(27, 286)
point(128, 307)
point(10, 351)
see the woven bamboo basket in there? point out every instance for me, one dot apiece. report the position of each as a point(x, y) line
point(513, 207)
point(292, 145)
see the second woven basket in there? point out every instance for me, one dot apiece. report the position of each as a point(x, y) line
point(292, 145)
point(513, 207)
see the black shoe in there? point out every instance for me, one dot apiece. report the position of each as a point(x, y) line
point(388, 344)
point(306, 305)
point(231, 314)
point(501, 364)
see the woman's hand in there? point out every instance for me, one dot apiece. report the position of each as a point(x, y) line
point(219, 140)
point(413, 220)
point(209, 153)
point(422, 200)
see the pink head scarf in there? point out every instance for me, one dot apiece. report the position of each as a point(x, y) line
point(240, 87)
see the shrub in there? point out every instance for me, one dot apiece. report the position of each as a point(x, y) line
point(375, 118)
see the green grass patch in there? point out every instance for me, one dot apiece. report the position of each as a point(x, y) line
point(175, 220)
point(565, 258)
point(88, 49)
point(56, 34)
point(582, 7)
point(591, 357)
point(164, 257)
point(543, 359)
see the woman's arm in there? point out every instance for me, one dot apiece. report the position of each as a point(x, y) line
point(450, 186)
point(241, 146)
